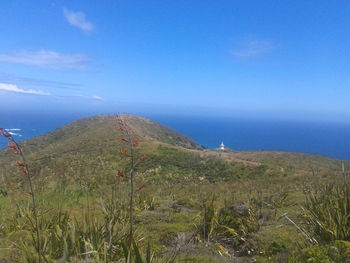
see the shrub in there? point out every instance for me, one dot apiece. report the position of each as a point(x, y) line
point(337, 252)
point(327, 213)
point(68, 238)
point(231, 225)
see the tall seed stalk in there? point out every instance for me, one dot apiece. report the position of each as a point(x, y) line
point(24, 168)
point(131, 143)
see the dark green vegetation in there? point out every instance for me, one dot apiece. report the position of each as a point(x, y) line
point(196, 205)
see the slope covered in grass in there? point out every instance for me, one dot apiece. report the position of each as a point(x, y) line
point(191, 204)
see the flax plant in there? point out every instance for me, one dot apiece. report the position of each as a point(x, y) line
point(128, 139)
point(24, 169)
point(327, 212)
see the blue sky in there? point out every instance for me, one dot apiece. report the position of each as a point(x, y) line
point(275, 59)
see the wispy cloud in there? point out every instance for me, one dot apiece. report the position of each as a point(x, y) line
point(48, 59)
point(96, 97)
point(20, 80)
point(78, 20)
point(80, 96)
point(15, 89)
point(253, 48)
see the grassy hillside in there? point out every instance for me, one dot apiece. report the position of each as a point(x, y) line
point(91, 144)
point(191, 204)
point(99, 132)
point(297, 161)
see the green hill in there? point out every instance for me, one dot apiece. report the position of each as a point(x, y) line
point(98, 135)
point(203, 205)
point(101, 131)
point(91, 145)
point(92, 141)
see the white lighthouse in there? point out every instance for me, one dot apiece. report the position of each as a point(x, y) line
point(222, 146)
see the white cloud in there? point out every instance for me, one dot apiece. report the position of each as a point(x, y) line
point(14, 88)
point(26, 81)
point(253, 48)
point(78, 20)
point(48, 59)
point(96, 97)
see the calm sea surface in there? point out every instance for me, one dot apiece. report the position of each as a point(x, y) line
point(239, 134)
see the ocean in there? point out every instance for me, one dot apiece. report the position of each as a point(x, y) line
point(329, 139)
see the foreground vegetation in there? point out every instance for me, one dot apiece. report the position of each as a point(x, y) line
point(188, 205)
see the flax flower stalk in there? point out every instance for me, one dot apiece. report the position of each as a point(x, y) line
point(24, 168)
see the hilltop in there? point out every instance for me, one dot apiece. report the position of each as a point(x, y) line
point(88, 142)
point(101, 130)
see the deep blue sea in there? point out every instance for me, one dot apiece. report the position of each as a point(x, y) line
point(330, 139)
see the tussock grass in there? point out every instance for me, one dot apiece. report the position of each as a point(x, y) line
point(327, 212)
